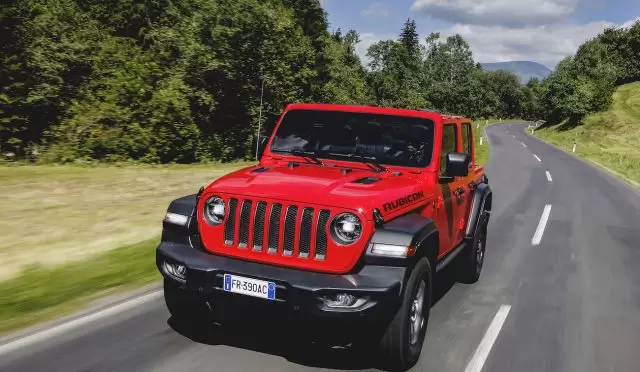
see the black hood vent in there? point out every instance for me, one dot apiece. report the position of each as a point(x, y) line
point(367, 180)
point(260, 169)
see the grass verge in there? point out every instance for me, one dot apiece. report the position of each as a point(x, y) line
point(609, 139)
point(55, 214)
point(42, 293)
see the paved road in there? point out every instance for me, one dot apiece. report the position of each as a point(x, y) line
point(574, 295)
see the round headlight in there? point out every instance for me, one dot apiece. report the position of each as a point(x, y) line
point(346, 228)
point(214, 210)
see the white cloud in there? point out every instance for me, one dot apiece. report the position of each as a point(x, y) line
point(366, 40)
point(630, 23)
point(511, 13)
point(375, 10)
point(546, 44)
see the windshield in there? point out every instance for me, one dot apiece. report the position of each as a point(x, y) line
point(387, 139)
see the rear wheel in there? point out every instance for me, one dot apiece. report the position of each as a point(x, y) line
point(472, 259)
point(402, 341)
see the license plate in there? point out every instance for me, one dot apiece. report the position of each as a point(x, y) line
point(249, 286)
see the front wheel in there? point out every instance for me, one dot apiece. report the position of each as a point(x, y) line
point(402, 342)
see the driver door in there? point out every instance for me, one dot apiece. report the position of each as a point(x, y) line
point(447, 215)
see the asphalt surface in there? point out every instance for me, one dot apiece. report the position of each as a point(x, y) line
point(574, 297)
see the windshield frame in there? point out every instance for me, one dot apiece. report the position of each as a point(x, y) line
point(398, 114)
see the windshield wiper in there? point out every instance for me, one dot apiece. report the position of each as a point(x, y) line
point(308, 154)
point(365, 159)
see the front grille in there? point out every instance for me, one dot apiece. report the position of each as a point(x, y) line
point(258, 226)
point(321, 234)
point(245, 215)
point(261, 221)
point(230, 226)
point(274, 228)
point(290, 230)
point(305, 232)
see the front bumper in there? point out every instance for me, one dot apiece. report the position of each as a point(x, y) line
point(298, 293)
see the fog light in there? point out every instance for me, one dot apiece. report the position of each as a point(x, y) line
point(178, 271)
point(343, 301)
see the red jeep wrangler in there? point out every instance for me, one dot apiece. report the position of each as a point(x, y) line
point(342, 226)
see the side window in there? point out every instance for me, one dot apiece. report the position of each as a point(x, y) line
point(466, 138)
point(449, 142)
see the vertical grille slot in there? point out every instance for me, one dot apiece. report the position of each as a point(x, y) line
point(245, 215)
point(289, 230)
point(321, 234)
point(258, 226)
point(274, 227)
point(230, 226)
point(305, 232)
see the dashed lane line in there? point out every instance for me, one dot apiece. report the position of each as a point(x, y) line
point(482, 352)
point(537, 236)
point(537, 157)
point(549, 177)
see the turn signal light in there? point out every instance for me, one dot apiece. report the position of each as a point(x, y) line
point(390, 250)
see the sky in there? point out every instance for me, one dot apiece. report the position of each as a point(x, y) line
point(544, 31)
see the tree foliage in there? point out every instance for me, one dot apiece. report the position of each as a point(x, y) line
point(584, 83)
point(180, 81)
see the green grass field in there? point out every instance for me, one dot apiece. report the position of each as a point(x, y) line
point(72, 234)
point(42, 293)
point(50, 215)
point(610, 139)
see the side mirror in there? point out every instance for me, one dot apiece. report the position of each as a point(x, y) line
point(457, 165)
point(259, 144)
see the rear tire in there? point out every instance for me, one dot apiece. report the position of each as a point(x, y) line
point(403, 338)
point(472, 259)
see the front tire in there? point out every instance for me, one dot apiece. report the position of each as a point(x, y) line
point(402, 342)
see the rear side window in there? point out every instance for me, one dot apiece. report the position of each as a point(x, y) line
point(449, 142)
point(466, 138)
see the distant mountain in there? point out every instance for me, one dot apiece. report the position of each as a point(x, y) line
point(525, 70)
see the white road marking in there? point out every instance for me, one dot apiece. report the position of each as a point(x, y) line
point(549, 177)
point(537, 236)
point(523, 145)
point(513, 136)
point(75, 323)
point(537, 157)
point(482, 352)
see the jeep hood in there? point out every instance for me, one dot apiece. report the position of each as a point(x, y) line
point(331, 186)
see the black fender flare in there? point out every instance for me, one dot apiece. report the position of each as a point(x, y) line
point(185, 206)
point(409, 230)
point(480, 208)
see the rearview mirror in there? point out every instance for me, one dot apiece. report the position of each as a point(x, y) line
point(259, 144)
point(457, 164)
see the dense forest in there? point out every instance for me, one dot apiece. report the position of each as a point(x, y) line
point(164, 81)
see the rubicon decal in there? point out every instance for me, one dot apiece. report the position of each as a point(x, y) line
point(403, 201)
